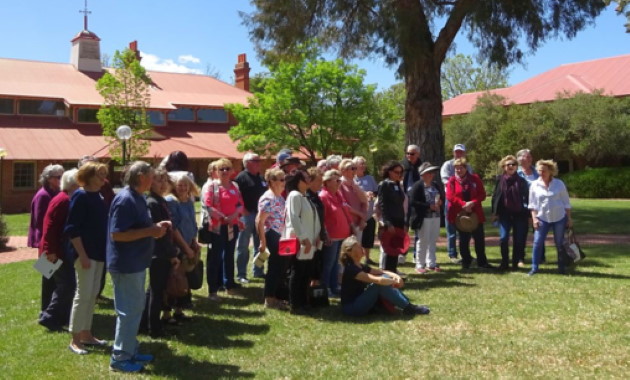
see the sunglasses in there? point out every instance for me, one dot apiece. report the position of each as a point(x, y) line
point(353, 168)
point(55, 176)
point(511, 164)
point(225, 169)
point(410, 153)
point(279, 179)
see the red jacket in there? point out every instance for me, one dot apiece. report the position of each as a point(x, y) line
point(336, 217)
point(53, 238)
point(455, 196)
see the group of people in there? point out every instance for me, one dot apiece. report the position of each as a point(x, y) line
point(332, 212)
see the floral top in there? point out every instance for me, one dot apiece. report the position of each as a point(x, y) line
point(274, 206)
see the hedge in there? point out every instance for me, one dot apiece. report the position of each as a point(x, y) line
point(599, 183)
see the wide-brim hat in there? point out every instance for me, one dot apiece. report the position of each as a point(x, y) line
point(426, 167)
point(291, 161)
point(467, 221)
point(395, 243)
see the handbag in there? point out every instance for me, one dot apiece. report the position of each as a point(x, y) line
point(204, 235)
point(177, 283)
point(288, 246)
point(195, 276)
point(318, 296)
point(572, 247)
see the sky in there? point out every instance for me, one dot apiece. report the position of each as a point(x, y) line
point(201, 36)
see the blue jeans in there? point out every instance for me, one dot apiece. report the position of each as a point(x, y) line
point(129, 299)
point(451, 234)
point(242, 246)
point(221, 260)
point(330, 266)
point(558, 236)
point(366, 301)
point(507, 222)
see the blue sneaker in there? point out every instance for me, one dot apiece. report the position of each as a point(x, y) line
point(125, 366)
point(142, 358)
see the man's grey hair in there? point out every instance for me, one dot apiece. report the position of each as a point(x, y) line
point(249, 156)
point(333, 160)
point(414, 147)
point(50, 171)
point(522, 152)
point(85, 159)
point(136, 169)
point(69, 179)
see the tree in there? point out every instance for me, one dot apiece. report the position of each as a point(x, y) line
point(621, 8)
point(125, 90)
point(461, 75)
point(404, 32)
point(311, 105)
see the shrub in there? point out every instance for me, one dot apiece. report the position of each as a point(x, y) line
point(598, 183)
point(4, 231)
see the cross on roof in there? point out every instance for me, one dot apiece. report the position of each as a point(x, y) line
point(85, 16)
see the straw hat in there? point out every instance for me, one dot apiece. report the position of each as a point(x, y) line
point(467, 221)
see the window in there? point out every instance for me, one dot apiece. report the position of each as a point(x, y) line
point(67, 165)
point(87, 115)
point(41, 107)
point(182, 114)
point(156, 117)
point(6, 106)
point(23, 175)
point(212, 115)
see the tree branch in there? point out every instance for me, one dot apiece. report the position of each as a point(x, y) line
point(443, 42)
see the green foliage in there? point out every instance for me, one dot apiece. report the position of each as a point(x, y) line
point(599, 183)
point(314, 106)
point(588, 129)
point(125, 90)
point(622, 5)
point(4, 232)
point(461, 75)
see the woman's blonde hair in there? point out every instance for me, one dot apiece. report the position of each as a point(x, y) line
point(272, 174)
point(550, 164)
point(346, 249)
point(88, 170)
point(460, 161)
point(345, 163)
point(177, 177)
point(505, 160)
point(222, 162)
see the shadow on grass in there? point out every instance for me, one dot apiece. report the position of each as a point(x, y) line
point(170, 365)
point(196, 332)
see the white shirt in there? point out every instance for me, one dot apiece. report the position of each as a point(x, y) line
point(551, 204)
point(301, 221)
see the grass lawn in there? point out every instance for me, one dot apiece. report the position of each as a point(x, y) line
point(482, 325)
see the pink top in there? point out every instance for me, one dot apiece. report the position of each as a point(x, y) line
point(229, 201)
point(355, 197)
point(336, 217)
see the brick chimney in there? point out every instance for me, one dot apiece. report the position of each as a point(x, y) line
point(241, 73)
point(133, 46)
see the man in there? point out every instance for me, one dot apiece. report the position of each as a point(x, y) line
point(252, 186)
point(527, 170)
point(447, 171)
point(290, 164)
point(410, 165)
point(131, 236)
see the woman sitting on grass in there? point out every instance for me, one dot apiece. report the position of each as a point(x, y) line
point(361, 285)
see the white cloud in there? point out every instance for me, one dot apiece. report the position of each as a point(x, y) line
point(154, 63)
point(188, 59)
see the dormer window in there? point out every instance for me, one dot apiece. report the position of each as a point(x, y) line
point(6, 106)
point(40, 107)
point(212, 115)
point(156, 118)
point(182, 114)
point(87, 115)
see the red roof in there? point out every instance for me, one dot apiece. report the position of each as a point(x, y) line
point(24, 78)
point(612, 75)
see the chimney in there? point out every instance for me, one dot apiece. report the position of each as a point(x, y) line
point(241, 73)
point(133, 46)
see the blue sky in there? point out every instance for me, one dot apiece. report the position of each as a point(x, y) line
point(194, 35)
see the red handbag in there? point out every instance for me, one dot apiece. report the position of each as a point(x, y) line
point(288, 246)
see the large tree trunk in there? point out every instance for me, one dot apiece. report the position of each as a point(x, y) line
point(423, 110)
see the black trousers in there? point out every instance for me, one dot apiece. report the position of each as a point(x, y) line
point(302, 272)
point(276, 267)
point(480, 246)
point(158, 276)
point(57, 295)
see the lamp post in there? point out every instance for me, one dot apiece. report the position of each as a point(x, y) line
point(124, 133)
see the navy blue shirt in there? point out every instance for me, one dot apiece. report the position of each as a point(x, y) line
point(87, 219)
point(351, 288)
point(129, 211)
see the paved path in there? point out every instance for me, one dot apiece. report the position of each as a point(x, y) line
point(18, 251)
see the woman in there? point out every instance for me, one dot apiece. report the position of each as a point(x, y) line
point(314, 188)
point(550, 208)
point(425, 201)
point(225, 206)
point(465, 192)
point(301, 222)
point(338, 223)
point(362, 286)
point(181, 204)
point(164, 255)
point(392, 207)
point(509, 207)
point(87, 230)
point(528, 172)
point(354, 196)
point(368, 184)
point(50, 180)
point(270, 225)
point(62, 285)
